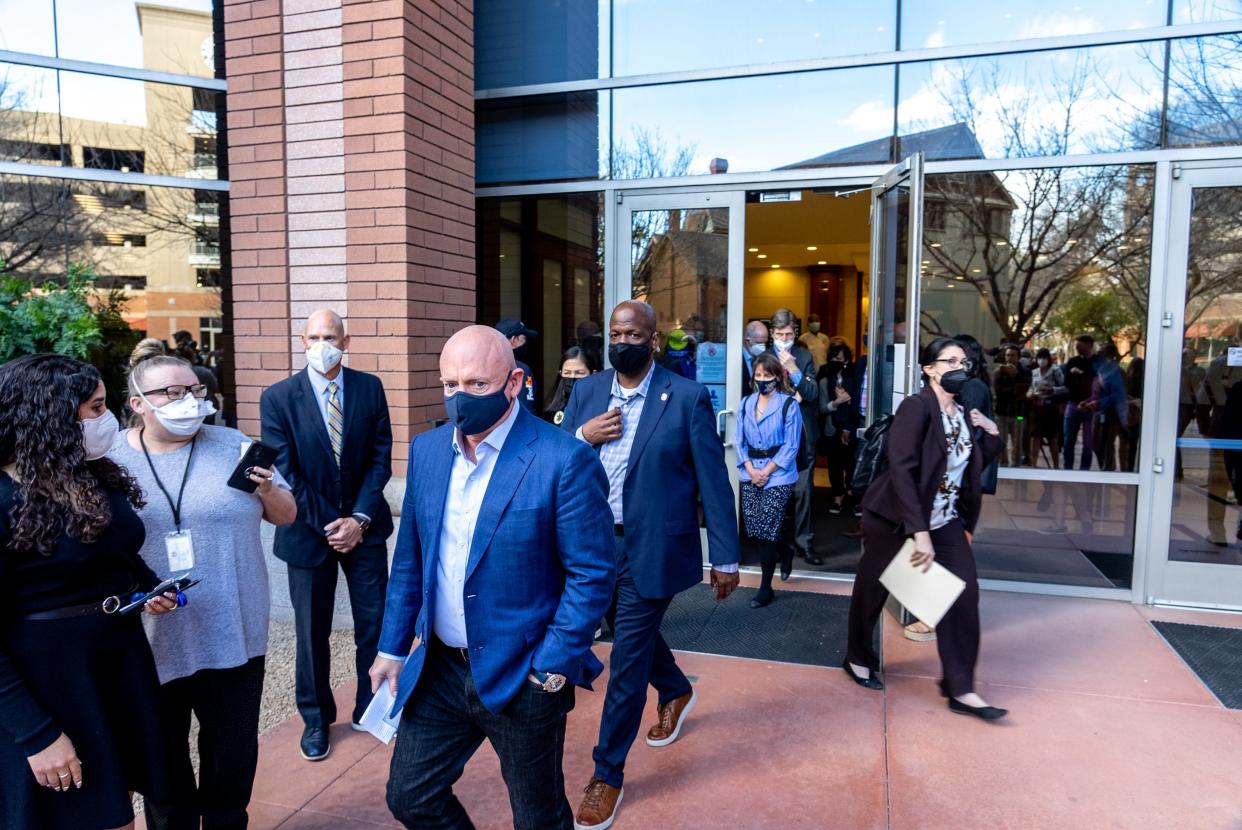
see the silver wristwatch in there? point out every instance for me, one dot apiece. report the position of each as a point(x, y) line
point(550, 683)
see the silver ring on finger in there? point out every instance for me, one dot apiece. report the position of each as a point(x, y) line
point(63, 775)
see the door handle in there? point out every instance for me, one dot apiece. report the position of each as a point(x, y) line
point(722, 426)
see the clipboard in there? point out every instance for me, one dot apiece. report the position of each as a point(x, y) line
point(927, 596)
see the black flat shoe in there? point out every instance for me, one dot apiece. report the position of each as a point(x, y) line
point(866, 682)
point(786, 571)
point(984, 712)
point(760, 602)
point(812, 559)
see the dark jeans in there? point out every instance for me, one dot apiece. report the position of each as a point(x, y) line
point(840, 466)
point(639, 656)
point(226, 703)
point(957, 634)
point(1075, 419)
point(442, 726)
point(313, 594)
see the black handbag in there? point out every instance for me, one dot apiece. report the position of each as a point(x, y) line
point(872, 455)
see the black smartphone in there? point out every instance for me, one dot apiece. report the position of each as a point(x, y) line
point(256, 455)
point(178, 584)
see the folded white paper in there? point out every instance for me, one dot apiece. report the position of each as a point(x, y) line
point(375, 719)
point(927, 596)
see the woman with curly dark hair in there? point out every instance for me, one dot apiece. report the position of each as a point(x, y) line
point(77, 684)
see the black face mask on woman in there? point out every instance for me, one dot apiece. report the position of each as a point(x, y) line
point(952, 382)
point(629, 358)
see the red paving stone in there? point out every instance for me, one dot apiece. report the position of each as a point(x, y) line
point(1108, 729)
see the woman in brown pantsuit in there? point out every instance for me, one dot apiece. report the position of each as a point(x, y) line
point(930, 490)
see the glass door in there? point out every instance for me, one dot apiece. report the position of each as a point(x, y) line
point(892, 334)
point(682, 253)
point(1196, 534)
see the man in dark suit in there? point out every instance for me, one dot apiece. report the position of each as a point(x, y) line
point(329, 426)
point(754, 343)
point(799, 367)
point(502, 571)
point(657, 441)
point(518, 335)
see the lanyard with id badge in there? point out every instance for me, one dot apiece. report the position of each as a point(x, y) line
point(180, 543)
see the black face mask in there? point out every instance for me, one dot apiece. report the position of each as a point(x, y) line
point(765, 386)
point(565, 387)
point(952, 382)
point(473, 414)
point(629, 358)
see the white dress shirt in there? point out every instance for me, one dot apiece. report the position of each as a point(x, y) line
point(467, 485)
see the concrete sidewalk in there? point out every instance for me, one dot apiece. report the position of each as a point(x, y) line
point(1108, 729)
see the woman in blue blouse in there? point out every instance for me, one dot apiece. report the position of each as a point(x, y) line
point(768, 431)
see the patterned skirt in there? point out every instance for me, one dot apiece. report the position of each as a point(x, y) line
point(763, 510)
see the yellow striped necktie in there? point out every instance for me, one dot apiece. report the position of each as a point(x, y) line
point(336, 422)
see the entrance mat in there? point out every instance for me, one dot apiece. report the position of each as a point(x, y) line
point(1213, 653)
point(797, 627)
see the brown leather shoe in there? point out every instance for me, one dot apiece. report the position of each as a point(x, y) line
point(672, 716)
point(599, 806)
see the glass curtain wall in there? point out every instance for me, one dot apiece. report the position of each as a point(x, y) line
point(1045, 263)
point(158, 251)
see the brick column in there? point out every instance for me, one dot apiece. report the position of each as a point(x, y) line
point(352, 162)
point(254, 62)
point(409, 194)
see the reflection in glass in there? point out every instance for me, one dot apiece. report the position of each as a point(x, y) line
point(28, 26)
point(1206, 525)
point(1038, 104)
point(139, 127)
point(680, 265)
point(673, 35)
point(1035, 259)
point(518, 42)
point(927, 25)
point(541, 260)
point(1202, 11)
point(843, 117)
point(1058, 532)
point(1205, 91)
point(892, 213)
point(541, 138)
point(29, 128)
point(147, 35)
point(160, 246)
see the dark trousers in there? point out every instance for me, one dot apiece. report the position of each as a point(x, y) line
point(313, 592)
point(639, 656)
point(442, 726)
point(226, 704)
point(957, 634)
point(804, 537)
point(840, 466)
point(1076, 419)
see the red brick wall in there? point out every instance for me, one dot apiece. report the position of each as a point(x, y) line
point(369, 175)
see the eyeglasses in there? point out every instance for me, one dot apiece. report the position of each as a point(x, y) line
point(178, 392)
point(956, 363)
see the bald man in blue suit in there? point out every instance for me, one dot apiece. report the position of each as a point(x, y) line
point(503, 568)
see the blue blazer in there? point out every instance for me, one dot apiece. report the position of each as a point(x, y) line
point(677, 461)
point(541, 567)
point(293, 426)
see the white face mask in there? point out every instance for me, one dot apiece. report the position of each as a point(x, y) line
point(1043, 363)
point(182, 418)
point(757, 349)
point(98, 434)
point(783, 345)
point(323, 357)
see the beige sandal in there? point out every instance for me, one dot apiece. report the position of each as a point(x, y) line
point(919, 632)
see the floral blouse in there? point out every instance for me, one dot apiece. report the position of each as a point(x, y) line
point(959, 445)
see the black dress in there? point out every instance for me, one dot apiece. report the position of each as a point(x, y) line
point(92, 678)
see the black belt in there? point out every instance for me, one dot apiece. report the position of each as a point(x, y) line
point(108, 606)
point(770, 452)
point(460, 654)
point(618, 530)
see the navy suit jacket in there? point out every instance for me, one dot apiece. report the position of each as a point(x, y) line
point(541, 568)
point(676, 461)
point(294, 427)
